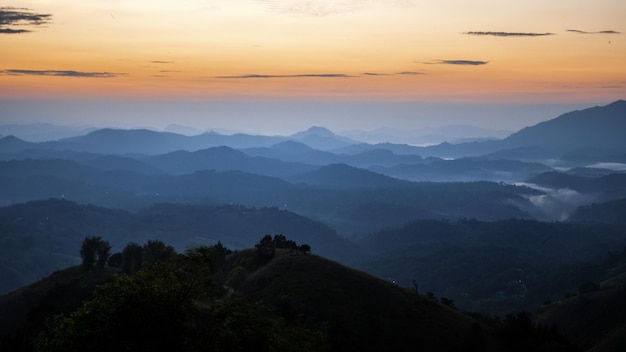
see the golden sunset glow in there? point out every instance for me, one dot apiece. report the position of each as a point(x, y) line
point(370, 49)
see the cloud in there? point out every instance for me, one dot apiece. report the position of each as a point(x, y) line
point(319, 75)
point(457, 62)
point(410, 73)
point(161, 62)
point(59, 73)
point(508, 34)
point(598, 32)
point(407, 73)
point(17, 16)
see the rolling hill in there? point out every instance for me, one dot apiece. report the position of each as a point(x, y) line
point(292, 292)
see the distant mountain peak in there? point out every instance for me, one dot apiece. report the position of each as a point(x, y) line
point(316, 131)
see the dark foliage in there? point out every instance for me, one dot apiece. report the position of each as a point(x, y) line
point(94, 251)
point(169, 305)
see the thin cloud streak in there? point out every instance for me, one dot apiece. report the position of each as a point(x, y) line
point(598, 32)
point(60, 73)
point(13, 31)
point(318, 75)
point(508, 34)
point(410, 73)
point(18, 16)
point(457, 62)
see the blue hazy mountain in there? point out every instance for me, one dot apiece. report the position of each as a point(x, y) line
point(223, 159)
point(464, 169)
point(294, 151)
point(143, 141)
point(597, 128)
point(365, 157)
point(344, 176)
point(593, 130)
point(613, 185)
point(41, 132)
point(322, 138)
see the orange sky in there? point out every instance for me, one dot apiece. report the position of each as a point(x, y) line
point(369, 49)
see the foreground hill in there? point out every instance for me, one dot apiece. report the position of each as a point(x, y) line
point(363, 313)
point(63, 291)
point(595, 318)
point(286, 300)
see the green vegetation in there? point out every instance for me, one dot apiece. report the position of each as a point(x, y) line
point(170, 303)
point(94, 251)
point(210, 298)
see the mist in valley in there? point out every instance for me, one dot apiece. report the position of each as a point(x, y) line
point(493, 226)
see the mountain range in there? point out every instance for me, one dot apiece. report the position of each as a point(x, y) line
point(596, 128)
point(529, 224)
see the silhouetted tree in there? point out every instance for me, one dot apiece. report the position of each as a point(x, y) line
point(156, 251)
point(265, 249)
point(115, 260)
point(92, 249)
point(104, 251)
point(88, 252)
point(280, 241)
point(132, 258)
point(305, 248)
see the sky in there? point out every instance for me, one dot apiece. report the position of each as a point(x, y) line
point(275, 67)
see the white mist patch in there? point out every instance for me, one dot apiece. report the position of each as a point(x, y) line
point(610, 166)
point(556, 203)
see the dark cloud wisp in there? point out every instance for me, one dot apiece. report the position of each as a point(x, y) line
point(59, 73)
point(598, 32)
point(410, 73)
point(321, 75)
point(17, 16)
point(457, 62)
point(508, 34)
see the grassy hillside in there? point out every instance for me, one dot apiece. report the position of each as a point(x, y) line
point(363, 313)
point(289, 300)
point(64, 290)
point(595, 318)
